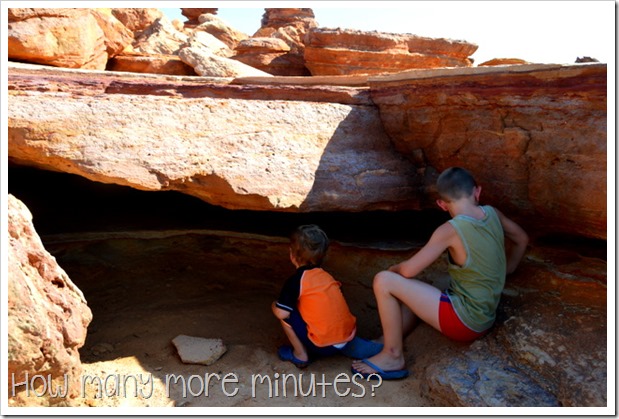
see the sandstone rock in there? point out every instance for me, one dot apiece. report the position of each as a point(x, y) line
point(290, 26)
point(520, 129)
point(250, 147)
point(206, 63)
point(137, 19)
point(69, 38)
point(556, 326)
point(263, 45)
point(346, 51)
point(547, 348)
point(192, 14)
point(47, 314)
point(159, 38)
point(117, 35)
point(219, 29)
point(267, 54)
point(503, 61)
point(477, 378)
point(207, 41)
point(194, 350)
point(283, 17)
point(156, 64)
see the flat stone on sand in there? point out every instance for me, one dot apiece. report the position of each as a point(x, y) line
point(194, 350)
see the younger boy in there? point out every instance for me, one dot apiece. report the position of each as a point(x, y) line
point(474, 239)
point(312, 308)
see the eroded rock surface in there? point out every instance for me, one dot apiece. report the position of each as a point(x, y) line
point(250, 147)
point(347, 51)
point(47, 318)
point(534, 135)
point(59, 37)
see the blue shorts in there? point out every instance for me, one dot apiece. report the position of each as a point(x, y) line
point(300, 329)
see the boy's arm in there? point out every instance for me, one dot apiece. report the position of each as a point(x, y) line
point(441, 239)
point(520, 239)
point(279, 313)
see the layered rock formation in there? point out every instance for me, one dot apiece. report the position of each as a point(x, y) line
point(144, 40)
point(47, 317)
point(318, 148)
point(346, 52)
point(523, 130)
point(290, 26)
point(324, 147)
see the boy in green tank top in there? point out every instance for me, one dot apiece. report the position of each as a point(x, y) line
point(474, 239)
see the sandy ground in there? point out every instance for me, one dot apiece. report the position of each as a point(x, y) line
point(144, 293)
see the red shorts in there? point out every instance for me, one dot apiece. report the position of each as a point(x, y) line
point(451, 325)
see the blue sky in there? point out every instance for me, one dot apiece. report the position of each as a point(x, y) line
point(536, 31)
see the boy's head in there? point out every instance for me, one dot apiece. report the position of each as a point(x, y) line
point(456, 183)
point(308, 245)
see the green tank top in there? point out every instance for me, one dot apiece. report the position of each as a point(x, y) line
point(476, 286)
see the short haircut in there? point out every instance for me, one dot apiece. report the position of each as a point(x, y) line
point(455, 183)
point(309, 244)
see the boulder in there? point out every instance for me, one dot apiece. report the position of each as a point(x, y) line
point(47, 318)
point(207, 41)
point(206, 63)
point(520, 129)
point(346, 52)
point(475, 377)
point(193, 14)
point(281, 17)
point(117, 35)
point(161, 37)
point(137, 19)
point(289, 26)
point(220, 29)
point(267, 54)
point(69, 38)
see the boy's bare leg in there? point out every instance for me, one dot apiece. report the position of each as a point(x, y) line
point(390, 289)
point(298, 349)
point(409, 321)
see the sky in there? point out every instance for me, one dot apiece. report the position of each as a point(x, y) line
point(535, 31)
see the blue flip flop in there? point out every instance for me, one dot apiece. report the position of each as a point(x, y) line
point(360, 348)
point(385, 375)
point(285, 354)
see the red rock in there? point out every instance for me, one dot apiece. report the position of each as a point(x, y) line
point(267, 54)
point(195, 13)
point(47, 315)
point(117, 35)
point(283, 17)
point(69, 38)
point(290, 26)
point(137, 19)
point(534, 136)
point(503, 61)
point(192, 15)
point(156, 64)
point(346, 52)
point(221, 30)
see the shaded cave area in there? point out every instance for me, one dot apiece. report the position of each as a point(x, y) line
point(155, 265)
point(63, 203)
